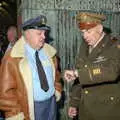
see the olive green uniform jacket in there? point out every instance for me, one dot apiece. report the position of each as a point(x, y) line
point(98, 94)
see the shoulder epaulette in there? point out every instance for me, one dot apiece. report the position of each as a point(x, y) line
point(117, 39)
point(114, 39)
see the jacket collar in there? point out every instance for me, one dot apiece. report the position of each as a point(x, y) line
point(18, 49)
point(100, 47)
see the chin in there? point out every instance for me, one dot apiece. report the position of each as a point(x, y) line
point(41, 46)
point(88, 43)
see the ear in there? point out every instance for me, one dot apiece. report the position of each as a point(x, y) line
point(99, 28)
point(27, 34)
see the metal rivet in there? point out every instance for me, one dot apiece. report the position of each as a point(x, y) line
point(85, 66)
point(111, 98)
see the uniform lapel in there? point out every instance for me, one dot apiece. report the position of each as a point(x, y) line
point(84, 51)
point(99, 48)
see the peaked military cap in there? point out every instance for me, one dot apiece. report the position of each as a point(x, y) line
point(88, 20)
point(36, 23)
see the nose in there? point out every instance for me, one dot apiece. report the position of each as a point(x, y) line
point(43, 35)
point(85, 35)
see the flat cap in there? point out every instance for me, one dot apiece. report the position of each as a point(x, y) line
point(88, 20)
point(36, 23)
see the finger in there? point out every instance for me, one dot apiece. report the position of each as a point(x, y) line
point(68, 77)
point(72, 115)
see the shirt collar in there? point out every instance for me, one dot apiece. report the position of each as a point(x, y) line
point(99, 40)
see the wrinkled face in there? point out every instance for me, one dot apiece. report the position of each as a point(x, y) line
point(12, 34)
point(35, 38)
point(91, 36)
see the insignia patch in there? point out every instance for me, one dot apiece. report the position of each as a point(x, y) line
point(100, 59)
point(96, 71)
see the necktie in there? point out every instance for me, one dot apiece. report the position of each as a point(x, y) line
point(41, 73)
point(90, 49)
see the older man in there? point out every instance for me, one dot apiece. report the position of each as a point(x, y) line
point(11, 36)
point(29, 83)
point(98, 70)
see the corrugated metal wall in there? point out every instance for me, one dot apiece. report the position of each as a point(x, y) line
point(61, 17)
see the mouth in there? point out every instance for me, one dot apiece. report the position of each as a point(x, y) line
point(88, 42)
point(41, 41)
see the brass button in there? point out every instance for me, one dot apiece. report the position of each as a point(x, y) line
point(85, 66)
point(111, 98)
point(86, 91)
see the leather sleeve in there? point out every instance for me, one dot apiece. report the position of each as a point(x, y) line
point(8, 88)
point(58, 85)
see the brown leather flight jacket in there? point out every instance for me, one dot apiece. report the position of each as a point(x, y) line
point(13, 91)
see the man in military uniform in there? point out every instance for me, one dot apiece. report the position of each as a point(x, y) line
point(98, 68)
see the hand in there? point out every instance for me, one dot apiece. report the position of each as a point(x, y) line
point(69, 75)
point(72, 112)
